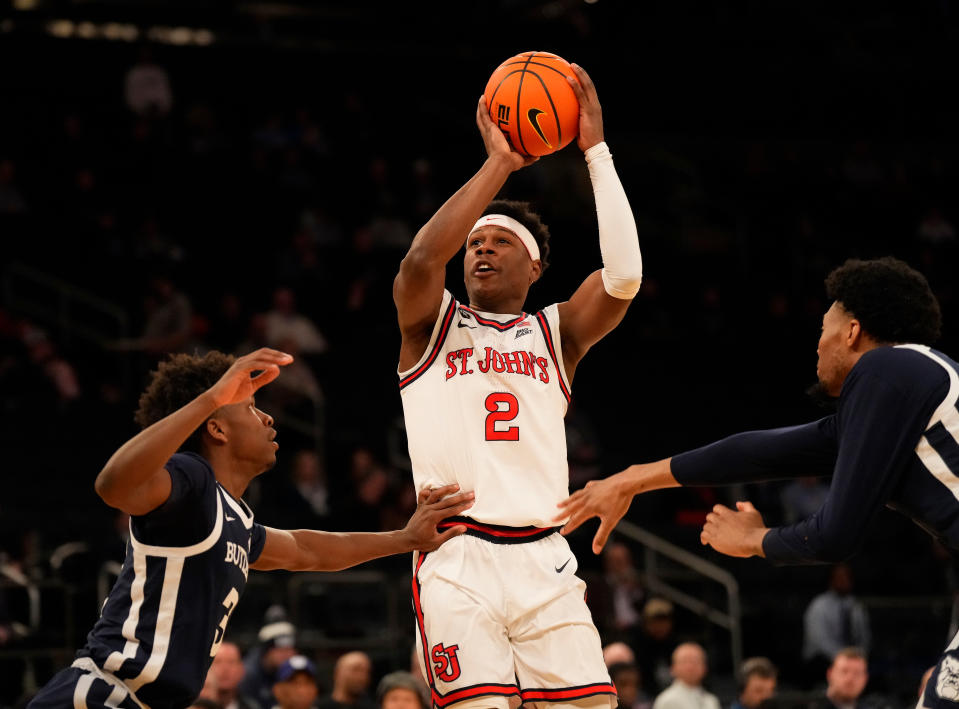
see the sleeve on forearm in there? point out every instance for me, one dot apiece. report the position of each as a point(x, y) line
point(789, 452)
point(880, 425)
point(618, 239)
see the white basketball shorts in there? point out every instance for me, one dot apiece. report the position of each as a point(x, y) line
point(500, 613)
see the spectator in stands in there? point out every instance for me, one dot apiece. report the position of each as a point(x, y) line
point(846, 679)
point(277, 641)
point(352, 676)
point(686, 692)
point(204, 703)
point(305, 499)
point(284, 324)
point(619, 598)
point(756, 682)
point(833, 620)
point(147, 87)
point(169, 319)
point(617, 653)
point(295, 686)
point(628, 681)
point(802, 497)
point(228, 670)
point(656, 643)
point(401, 690)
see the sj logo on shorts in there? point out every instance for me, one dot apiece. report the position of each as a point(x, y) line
point(445, 664)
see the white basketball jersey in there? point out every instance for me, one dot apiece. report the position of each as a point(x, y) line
point(484, 408)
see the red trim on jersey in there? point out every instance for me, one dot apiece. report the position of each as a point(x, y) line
point(418, 610)
point(442, 700)
point(441, 338)
point(477, 690)
point(493, 323)
point(495, 532)
point(544, 326)
point(565, 693)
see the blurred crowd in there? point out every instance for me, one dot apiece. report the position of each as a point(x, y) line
point(149, 213)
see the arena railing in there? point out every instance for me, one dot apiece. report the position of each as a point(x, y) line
point(655, 547)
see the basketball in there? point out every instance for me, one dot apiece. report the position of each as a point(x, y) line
point(530, 100)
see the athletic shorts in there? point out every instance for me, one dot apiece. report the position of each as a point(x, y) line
point(500, 612)
point(84, 686)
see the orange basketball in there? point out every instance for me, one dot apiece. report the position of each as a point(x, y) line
point(530, 100)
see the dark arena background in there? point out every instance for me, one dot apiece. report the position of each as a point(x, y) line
point(184, 175)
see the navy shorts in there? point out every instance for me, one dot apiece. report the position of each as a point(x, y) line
point(81, 689)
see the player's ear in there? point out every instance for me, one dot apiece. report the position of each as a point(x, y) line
point(853, 333)
point(535, 271)
point(215, 430)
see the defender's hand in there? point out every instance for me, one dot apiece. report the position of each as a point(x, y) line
point(433, 506)
point(590, 112)
point(237, 383)
point(605, 499)
point(495, 142)
point(736, 532)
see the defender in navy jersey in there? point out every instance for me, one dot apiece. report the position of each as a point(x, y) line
point(193, 539)
point(893, 441)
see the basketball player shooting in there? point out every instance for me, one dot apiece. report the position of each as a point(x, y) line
point(500, 614)
point(193, 539)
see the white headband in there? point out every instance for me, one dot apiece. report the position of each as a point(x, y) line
point(510, 224)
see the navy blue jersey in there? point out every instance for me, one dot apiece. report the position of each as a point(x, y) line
point(894, 441)
point(185, 569)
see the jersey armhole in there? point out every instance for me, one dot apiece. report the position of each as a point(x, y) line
point(548, 319)
point(437, 337)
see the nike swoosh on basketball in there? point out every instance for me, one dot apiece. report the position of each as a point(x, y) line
point(533, 115)
point(560, 569)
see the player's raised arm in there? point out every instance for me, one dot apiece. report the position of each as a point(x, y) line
point(313, 550)
point(600, 303)
point(418, 287)
point(134, 479)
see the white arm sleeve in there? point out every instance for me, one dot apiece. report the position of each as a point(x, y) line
point(618, 239)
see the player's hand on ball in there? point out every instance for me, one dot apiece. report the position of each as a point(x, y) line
point(494, 140)
point(237, 383)
point(432, 507)
point(736, 532)
point(590, 112)
point(605, 499)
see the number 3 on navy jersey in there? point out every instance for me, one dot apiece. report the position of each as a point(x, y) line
point(496, 414)
point(229, 603)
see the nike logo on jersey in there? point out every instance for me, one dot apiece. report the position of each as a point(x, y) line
point(560, 569)
point(230, 519)
point(465, 324)
point(533, 115)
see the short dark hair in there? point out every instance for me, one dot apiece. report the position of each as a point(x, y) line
point(756, 667)
point(175, 383)
point(892, 300)
point(523, 213)
point(852, 653)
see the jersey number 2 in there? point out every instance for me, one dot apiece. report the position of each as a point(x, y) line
point(229, 603)
point(496, 414)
